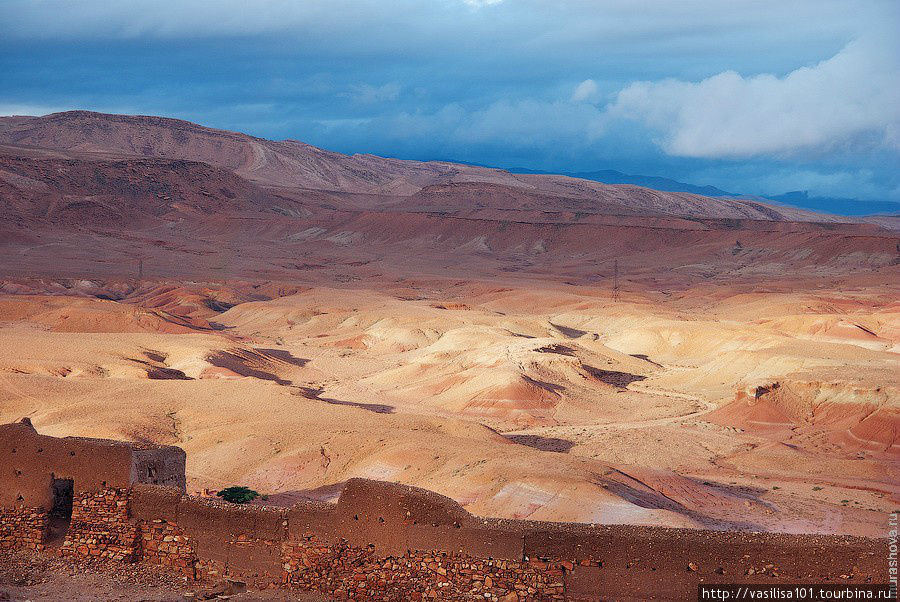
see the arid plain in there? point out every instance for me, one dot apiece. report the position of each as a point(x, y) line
point(531, 346)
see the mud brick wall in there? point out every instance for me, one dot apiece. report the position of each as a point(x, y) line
point(158, 465)
point(22, 528)
point(624, 561)
point(346, 572)
point(383, 541)
point(210, 538)
point(357, 549)
point(165, 544)
point(29, 462)
point(240, 541)
point(101, 526)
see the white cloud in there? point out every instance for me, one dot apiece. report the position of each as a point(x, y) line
point(480, 3)
point(850, 100)
point(28, 109)
point(585, 91)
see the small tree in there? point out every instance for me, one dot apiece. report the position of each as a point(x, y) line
point(238, 495)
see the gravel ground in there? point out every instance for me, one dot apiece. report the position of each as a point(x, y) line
point(36, 577)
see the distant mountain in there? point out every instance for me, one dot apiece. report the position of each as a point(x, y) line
point(65, 167)
point(798, 198)
point(610, 176)
point(838, 205)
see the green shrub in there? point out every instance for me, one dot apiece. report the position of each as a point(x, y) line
point(238, 495)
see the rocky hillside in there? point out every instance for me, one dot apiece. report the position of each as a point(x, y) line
point(376, 182)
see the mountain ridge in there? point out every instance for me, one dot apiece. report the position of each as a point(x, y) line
point(612, 176)
point(361, 181)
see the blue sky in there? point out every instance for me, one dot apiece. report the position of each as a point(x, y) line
point(755, 97)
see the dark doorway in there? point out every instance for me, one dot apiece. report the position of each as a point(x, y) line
point(61, 514)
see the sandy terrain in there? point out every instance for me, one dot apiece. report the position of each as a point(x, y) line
point(618, 356)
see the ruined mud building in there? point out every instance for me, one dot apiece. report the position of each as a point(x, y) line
point(125, 502)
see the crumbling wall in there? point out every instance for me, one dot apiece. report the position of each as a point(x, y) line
point(22, 528)
point(398, 542)
point(359, 548)
point(344, 571)
point(159, 466)
point(384, 541)
point(155, 509)
point(30, 461)
point(210, 538)
point(101, 526)
point(397, 518)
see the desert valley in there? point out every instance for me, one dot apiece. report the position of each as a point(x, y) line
point(532, 346)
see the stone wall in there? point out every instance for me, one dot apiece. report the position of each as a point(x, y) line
point(165, 544)
point(307, 547)
point(347, 572)
point(384, 541)
point(101, 526)
point(22, 528)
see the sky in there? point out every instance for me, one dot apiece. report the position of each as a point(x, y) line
point(755, 97)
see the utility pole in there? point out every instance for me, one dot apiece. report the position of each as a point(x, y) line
point(615, 294)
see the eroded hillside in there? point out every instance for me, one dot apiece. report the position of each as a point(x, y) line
point(532, 346)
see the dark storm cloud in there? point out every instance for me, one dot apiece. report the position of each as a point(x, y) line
point(756, 97)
